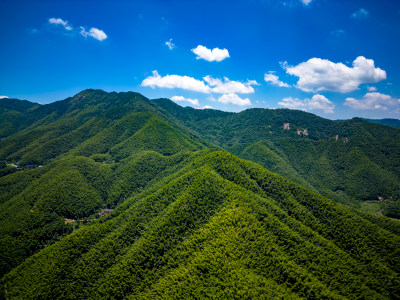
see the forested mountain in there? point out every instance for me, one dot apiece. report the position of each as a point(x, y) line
point(13, 115)
point(83, 155)
point(349, 161)
point(388, 122)
point(112, 195)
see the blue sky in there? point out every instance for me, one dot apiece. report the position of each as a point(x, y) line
point(337, 59)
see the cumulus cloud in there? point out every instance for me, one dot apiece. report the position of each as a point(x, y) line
point(181, 98)
point(170, 44)
point(207, 107)
point(229, 86)
point(94, 33)
point(59, 21)
point(215, 54)
point(209, 85)
point(371, 89)
point(317, 102)
point(318, 74)
point(3, 97)
point(374, 101)
point(176, 81)
point(270, 77)
point(234, 99)
point(362, 13)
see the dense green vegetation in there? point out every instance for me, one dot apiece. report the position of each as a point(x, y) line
point(218, 227)
point(388, 122)
point(189, 219)
point(347, 161)
point(14, 115)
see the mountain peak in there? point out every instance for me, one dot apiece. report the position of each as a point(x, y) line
point(186, 211)
point(88, 93)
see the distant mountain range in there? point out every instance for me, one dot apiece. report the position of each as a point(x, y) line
point(348, 161)
point(388, 122)
point(113, 195)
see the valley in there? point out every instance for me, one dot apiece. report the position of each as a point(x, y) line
point(200, 203)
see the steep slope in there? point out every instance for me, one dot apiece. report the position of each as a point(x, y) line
point(189, 220)
point(220, 227)
point(36, 202)
point(156, 135)
point(388, 122)
point(89, 155)
point(13, 115)
point(64, 125)
point(348, 161)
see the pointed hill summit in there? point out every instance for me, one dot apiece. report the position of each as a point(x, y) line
point(115, 196)
point(353, 162)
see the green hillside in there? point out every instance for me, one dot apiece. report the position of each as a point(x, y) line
point(219, 227)
point(388, 122)
point(348, 161)
point(111, 195)
point(13, 114)
point(78, 164)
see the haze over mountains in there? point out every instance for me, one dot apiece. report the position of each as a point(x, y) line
point(388, 122)
point(197, 211)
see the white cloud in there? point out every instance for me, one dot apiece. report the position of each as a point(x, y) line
point(170, 44)
point(374, 101)
point(176, 81)
point(362, 13)
point(215, 85)
point(59, 21)
point(317, 102)
point(228, 87)
point(181, 98)
point(207, 107)
point(94, 33)
point(306, 2)
point(371, 89)
point(318, 74)
point(234, 99)
point(3, 97)
point(215, 54)
point(269, 77)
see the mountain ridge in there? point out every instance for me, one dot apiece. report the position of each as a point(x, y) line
point(187, 219)
point(222, 162)
point(310, 146)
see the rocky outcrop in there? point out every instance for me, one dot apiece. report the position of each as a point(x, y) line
point(302, 132)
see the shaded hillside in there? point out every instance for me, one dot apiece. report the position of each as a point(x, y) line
point(348, 161)
point(388, 122)
point(13, 115)
point(218, 227)
point(87, 159)
point(187, 219)
point(61, 126)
